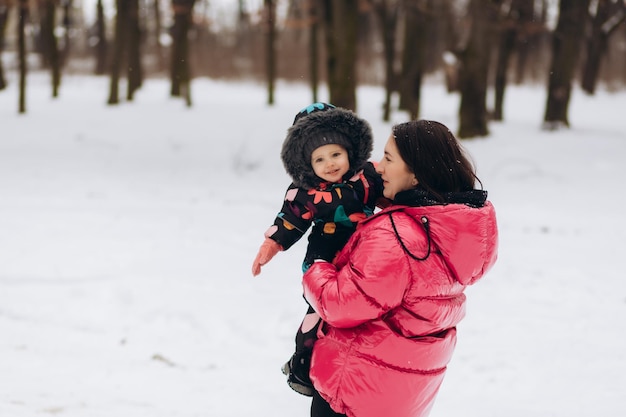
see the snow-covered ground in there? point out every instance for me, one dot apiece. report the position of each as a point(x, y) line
point(127, 235)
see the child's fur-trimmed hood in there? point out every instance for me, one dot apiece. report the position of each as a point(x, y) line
point(342, 121)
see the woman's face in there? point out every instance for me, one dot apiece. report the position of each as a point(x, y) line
point(394, 171)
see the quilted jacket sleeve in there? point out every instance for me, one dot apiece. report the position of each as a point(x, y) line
point(370, 281)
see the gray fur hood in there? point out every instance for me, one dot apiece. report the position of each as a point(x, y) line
point(343, 121)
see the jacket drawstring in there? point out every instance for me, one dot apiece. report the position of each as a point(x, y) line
point(426, 225)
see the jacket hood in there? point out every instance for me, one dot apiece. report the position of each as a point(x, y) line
point(344, 122)
point(467, 237)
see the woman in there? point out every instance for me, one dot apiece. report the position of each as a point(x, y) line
point(394, 295)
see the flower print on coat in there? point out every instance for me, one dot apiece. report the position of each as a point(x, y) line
point(320, 195)
point(327, 208)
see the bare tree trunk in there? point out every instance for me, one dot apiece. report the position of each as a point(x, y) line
point(387, 13)
point(4, 15)
point(509, 30)
point(119, 49)
point(450, 32)
point(507, 41)
point(537, 63)
point(67, 24)
point(180, 71)
point(49, 44)
point(101, 46)
point(527, 35)
point(158, 27)
point(341, 21)
point(474, 69)
point(417, 27)
point(567, 41)
point(609, 16)
point(314, 13)
point(134, 70)
point(21, 48)
point(270, 56)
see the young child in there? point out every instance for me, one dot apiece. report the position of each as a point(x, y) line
point(326, 153)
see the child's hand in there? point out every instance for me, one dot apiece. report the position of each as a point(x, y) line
point(268, 249)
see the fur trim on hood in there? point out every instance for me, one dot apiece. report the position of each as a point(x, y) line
point(295, 155)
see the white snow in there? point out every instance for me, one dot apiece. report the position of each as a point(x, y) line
point(127, 235)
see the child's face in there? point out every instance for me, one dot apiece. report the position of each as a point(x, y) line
point(330, 162)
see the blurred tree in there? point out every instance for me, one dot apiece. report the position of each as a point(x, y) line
point(270, 56)
point(207, 61)
point(369, 68)
point(48, 41)
point(119, 48)
point(126, 50)
point(566, 44)
point(531, 27)
point(340, 29)
point(67, 28)
point(180, 72)
point(508, 29)
point(314, 14)
point(102, 44)
point(511, 32)
point(418, 31)
point(387, 12)
point(21, 52)
point(609, 15)
point(299, 43)
point(451, 30)
point(158, 28)
point(4, 16)
point(475, 60)
point(134, 70)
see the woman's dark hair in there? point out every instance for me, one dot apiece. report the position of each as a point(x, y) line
point(435, 156)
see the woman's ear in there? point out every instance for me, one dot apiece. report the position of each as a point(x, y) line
point(414, 181)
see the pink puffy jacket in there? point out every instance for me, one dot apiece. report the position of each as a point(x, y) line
point(390, 318)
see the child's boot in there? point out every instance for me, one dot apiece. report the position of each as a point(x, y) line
point(297, 371)
point(298, 366)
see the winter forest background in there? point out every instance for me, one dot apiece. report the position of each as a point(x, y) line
point(139, 168)
point(477, 47)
